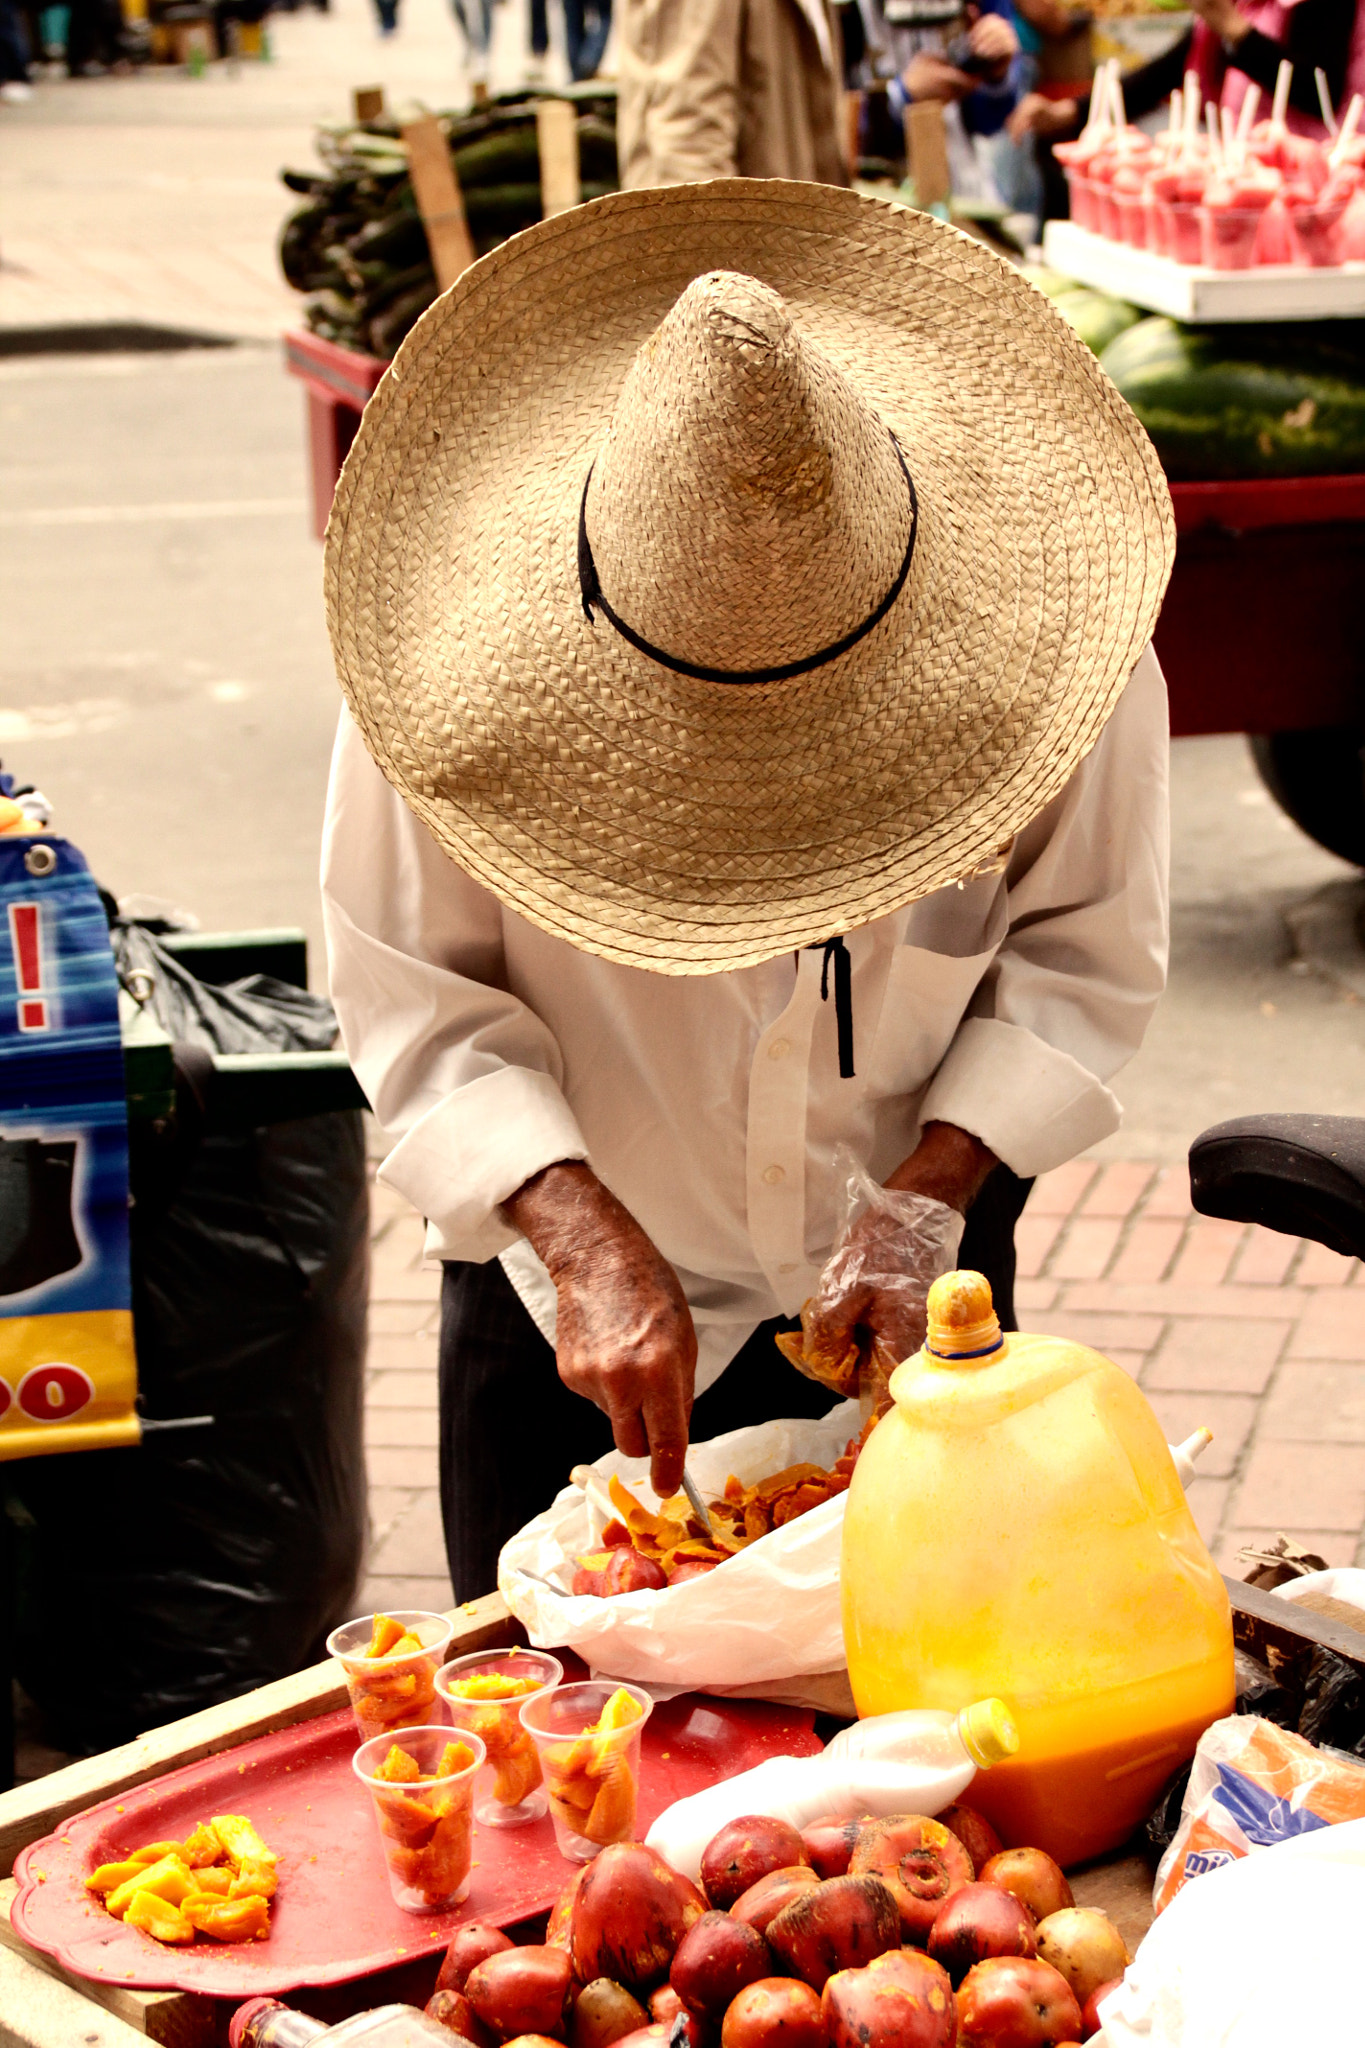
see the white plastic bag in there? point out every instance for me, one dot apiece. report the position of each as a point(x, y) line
point(768, 1614)
point(1259, 1954)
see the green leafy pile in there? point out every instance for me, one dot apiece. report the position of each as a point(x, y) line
point(357, 246)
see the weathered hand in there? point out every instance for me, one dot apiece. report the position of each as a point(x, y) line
point(994, 41)
point(929, 78)
point(624, 1338)
point(1038, 115)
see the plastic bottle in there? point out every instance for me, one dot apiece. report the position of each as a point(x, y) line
point(265, 2023)
point(898, 1763)
point(1016, 1525)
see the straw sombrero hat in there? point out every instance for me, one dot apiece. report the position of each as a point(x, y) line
point(718, 568)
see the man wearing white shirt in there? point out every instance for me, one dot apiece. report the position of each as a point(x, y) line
point(853, 862)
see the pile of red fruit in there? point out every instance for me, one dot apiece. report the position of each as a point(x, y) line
point(899, 1933)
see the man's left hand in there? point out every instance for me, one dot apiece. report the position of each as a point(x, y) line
point(873, 1290)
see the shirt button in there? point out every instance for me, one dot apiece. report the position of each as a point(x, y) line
point(779, 1049)
point(774, 1175)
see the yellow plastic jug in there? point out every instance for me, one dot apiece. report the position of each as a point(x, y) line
point(1016, 1526)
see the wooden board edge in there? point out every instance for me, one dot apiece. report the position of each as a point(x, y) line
point(176, 2019)
point(1287, 1617)
point(31, 1811)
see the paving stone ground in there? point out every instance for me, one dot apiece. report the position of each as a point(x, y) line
point(1259, 1337)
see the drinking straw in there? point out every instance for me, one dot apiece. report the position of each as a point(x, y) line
point(1215, 142)
point(1229, 133)
point(1347, 134)
point(1283, 78)
point(1251, 99)
point(1329, 119)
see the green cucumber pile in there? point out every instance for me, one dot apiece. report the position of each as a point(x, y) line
point(356, 245)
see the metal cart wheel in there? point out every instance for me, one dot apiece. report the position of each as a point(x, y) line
point(1318, 778)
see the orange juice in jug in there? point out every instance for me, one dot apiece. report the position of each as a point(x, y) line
point(1016, 1526)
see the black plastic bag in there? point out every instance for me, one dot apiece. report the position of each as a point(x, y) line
point(162, 1579)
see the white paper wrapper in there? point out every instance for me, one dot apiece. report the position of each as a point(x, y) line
point(769, 1614)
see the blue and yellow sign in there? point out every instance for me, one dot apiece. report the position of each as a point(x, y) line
point(68, 1369)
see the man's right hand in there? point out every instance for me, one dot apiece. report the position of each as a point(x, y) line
point(624, 1338)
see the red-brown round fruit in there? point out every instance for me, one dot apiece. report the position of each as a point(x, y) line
point(655, 2035)
point(469, 1946)
point(901, 2000)
point(665, 2005)
point(829, 1844)
point(1085, 1946)
point(603, 2013)
point(744, 1851)
point(761, 1904)
point(919, 1860)
point(630, 1911)
point(559, 1927)
point(715, 1959)
point(1016, 2002)
point(777, 2012)
point(839, 1925)
point(976, 1921)
point(452, 2009)
point(1036, 1881)
point(522, 1991)
point(629, 1572)
point(975, 1833)
point(1090, 2011)
point(692, 1568)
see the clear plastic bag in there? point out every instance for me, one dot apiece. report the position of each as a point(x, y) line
point(890, 1246)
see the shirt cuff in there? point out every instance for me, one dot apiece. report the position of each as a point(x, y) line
point(461, 1160)
point(1034, 1106)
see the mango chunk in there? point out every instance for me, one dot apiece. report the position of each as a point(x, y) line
point(110, 1876)
point(202, 1848)
point(228, 1919)
point(384, 1633)
point(155, 1917)
point(170, 1879)
point(254, 1880)
point(241, 1840)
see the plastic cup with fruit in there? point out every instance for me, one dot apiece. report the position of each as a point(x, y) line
point(390, 1662)
point(483, 1694)
point(421, 1781)
point(588, 1740)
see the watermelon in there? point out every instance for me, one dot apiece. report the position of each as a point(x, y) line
point(1097, 318)
point(1246, 401)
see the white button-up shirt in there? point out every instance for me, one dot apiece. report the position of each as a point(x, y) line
point(712, 1105)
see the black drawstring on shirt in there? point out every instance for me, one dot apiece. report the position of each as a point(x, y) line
point(843, 999)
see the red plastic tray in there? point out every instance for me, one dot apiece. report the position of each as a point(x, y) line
point(333, 1918)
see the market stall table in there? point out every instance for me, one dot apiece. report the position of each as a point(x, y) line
point(36, 1994)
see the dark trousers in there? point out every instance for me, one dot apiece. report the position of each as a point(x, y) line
point(511, 1431)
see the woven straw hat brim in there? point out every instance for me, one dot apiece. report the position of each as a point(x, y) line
point(691, 827)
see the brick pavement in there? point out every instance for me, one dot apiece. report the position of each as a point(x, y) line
point(1260, 1337)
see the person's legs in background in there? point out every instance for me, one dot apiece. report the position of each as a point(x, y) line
point(14, 53)
point(586, 28)
point(540, 34)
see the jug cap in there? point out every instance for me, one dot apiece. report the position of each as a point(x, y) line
point(988, 1732)
point(962, 1322)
